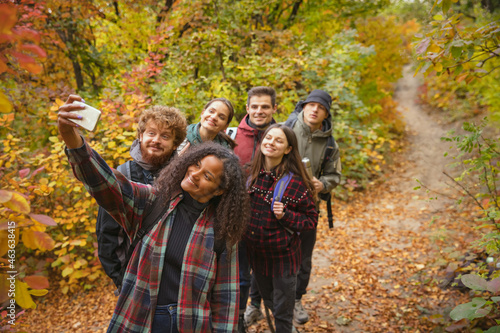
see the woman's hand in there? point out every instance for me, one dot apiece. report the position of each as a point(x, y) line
point(66, 127)
point(278, 209)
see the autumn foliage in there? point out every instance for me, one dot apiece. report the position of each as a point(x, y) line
point(126, 57)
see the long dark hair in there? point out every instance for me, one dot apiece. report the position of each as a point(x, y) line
point(291, 162)
point(232, 207)
point(230, 107)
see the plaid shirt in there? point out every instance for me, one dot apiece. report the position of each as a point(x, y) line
point(272, 249)
point(209, 287)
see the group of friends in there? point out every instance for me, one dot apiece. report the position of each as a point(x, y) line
point(202, 204)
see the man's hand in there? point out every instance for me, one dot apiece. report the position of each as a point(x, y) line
point(66, 127)
point(318, 186)
point(278, 208)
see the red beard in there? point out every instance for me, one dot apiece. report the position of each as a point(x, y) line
point(155, 160)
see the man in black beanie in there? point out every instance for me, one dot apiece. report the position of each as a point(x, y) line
point(312, 123)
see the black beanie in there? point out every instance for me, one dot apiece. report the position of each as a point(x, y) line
point(321, 97)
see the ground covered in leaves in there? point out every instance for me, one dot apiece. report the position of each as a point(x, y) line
point(380, 269)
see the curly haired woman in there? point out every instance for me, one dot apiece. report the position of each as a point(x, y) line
point(177, 279)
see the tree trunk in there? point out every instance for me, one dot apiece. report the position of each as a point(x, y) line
point(295, 10)
point(163, 12)
point(77, 69)
point(221, 62)
point(117, 10)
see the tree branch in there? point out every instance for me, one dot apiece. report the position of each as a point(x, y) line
point(486, 74)
point(470, 195)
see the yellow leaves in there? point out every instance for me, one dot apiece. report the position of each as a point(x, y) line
point(37, 240)
point(111, 144)
point(28, 239)
point(5, 105)
point(434, 48)
point(36, 292)
point(23, 296)
point(16, 202)
point(6, 238)
point(67, 271)
point(438, 67)
point(78, 275)
point(80, 263)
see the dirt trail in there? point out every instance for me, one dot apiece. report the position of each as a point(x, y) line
point(372, 273)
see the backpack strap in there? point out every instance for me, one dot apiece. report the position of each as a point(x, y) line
point(292, 118)
point(330, 146)
point(280, 187)
point(125, 170)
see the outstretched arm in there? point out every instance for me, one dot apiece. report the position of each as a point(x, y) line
point(125, 201)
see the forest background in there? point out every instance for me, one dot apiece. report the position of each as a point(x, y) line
point(123, 56)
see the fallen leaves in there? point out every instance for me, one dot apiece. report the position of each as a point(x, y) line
point(376, 271)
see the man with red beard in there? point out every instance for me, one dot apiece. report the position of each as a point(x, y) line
point(160, 131)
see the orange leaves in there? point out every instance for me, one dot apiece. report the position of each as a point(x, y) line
point(8, 18)
point(27, 62)
point(44, 219)
point(37, 240)
point(15, 201)
point(20, 43)
point(37, 282)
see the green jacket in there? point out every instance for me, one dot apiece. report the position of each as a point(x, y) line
point(313, 146)
point(193, 137)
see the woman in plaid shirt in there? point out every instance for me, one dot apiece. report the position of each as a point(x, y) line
point(272, 235)
point(205, 200)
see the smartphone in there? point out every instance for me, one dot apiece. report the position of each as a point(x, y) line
point(90, 116)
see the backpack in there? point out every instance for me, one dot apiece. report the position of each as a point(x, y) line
point(280, 187)
point(330, 146)
point(113, 243)
point(278, 191)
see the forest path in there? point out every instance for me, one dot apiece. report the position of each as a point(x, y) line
point(372, 273)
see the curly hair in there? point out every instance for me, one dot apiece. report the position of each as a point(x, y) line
point(291, 162)
point(232, 208)
point(167, 116)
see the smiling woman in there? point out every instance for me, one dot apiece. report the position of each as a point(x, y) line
point(183, 274)
point(272, 238)
point(215, 118)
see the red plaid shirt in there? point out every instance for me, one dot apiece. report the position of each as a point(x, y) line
point(272, 249)
point(208, 294)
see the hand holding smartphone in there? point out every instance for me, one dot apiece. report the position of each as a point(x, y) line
point(90, 116)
